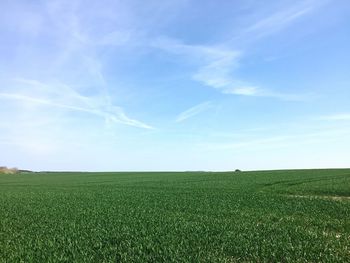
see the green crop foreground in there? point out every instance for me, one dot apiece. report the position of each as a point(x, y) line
point(267, 216)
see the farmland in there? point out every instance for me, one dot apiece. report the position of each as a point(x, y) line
point(263, 216)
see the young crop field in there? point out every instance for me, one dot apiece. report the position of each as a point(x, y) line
point(264, 216)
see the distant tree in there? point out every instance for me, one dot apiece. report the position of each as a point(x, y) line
point(237, 171)
point(5, 170)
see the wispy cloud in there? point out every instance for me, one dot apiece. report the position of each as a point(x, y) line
point(280, 19)
point(216, 67)
point(336, 117)
point(64, 97)
point(193, 111)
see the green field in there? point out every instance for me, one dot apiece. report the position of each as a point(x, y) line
point(266, 216)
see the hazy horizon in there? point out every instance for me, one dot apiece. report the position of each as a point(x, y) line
point(174, 85)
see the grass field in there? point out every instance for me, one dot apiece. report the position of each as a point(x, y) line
point(267, 216)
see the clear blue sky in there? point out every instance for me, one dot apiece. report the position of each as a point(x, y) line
point(174, 85)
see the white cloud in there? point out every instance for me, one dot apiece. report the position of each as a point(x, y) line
point(277, 21)
point(336, 117)
point(64, 97)
point(248, 91)
point(195, 110)
point(216, 66)
point(265, 24)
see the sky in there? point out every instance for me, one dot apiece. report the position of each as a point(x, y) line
point(109, 85)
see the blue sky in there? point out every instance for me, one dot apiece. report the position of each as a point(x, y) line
point(174, 85)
